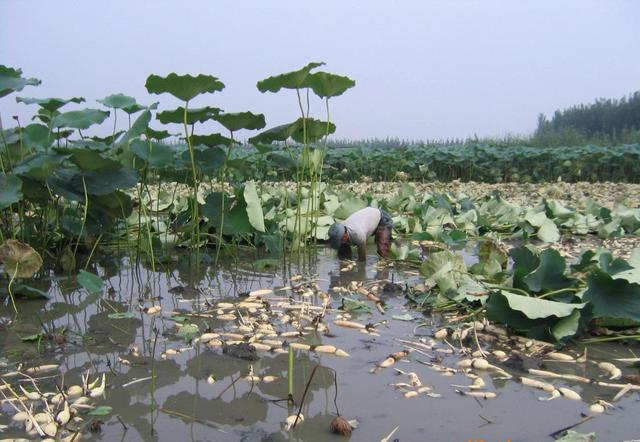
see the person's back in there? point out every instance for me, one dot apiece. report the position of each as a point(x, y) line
point(357, 228)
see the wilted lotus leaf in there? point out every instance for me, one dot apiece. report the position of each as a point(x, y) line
point(11, 80)
point(49, 104)
point(19, 259)
point(289, 80)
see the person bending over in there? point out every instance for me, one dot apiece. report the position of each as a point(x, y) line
point(357, 228)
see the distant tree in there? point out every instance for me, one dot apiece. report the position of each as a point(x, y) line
point(609, 120)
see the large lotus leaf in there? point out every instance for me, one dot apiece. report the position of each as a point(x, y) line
point(11, 80)
point(254, 206)
point(283, 160)
point(557, 210)
point(549, 275)
point(10, 190)
point(117, 101)
point(19, 259)
point(184, 87)
point(87, 159)
point(236, 221)
point(241, 120)
point(156, 134)
point(446, 268)
point(210, 140)
point(208, 159)
point(157, 155)
point(278, 133)
point(116, 204)
point(80, 119)
point(195, 115)
point(91, 282)
point(39, 166)
point(612, 298)
point(539, 318)
point(326, 85)
point(548, 232)
point(35, 191)
point(314, 129)
point(289, 80)
point(133, 108)
point(611, 265)
point(349, 206)
point(105, 182)
point(36, 137)
point(50, 104)
point(212, 207)
point(96, 145)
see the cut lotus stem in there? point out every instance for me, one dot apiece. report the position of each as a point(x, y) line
point(477, 394)
point(613, 371)
point(561, 357)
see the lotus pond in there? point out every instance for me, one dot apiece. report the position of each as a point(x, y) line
point(158, 337)
point(163, 291)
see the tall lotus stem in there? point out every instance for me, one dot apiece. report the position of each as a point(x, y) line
point(194, 210)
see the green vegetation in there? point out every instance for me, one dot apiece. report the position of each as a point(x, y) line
point(606, 121)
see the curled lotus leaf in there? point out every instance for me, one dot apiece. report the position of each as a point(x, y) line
point(11, 80)
point(195, 115)
point(117, 101)
point(19, 259)
point(151, 133)
point(241, 120)
point(80, 119)
point(327, 85)
point(210, 140)
point(184, 87)
point(50, 104)
point(289, 80)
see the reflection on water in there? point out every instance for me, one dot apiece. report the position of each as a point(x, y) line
point(174, 398)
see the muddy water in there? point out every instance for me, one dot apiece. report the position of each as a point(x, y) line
point(181, 405)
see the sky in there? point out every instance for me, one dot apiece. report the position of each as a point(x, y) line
point(423, 69)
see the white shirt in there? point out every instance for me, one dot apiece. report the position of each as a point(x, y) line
point(362, 224)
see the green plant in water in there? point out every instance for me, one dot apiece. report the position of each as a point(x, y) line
point(185, 88)
point(305, 131)
point(20, 261)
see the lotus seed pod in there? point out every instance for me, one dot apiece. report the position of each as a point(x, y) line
point(75, 391)
point(480, 364)
point(441, 334)
point(597, 408)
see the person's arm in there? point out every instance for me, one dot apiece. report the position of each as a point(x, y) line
point(362, 251)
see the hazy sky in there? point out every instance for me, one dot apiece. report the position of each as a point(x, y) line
point(424, 69)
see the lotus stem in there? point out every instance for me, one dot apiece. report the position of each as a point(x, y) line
point(13, 277)
point(194, 211)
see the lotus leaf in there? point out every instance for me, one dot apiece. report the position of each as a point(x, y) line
point(90, 282)
point(19, 259)
point(254, 206)
point(240, 120)
point(210, 140)
point(80, 119)
point(118, 101)
point(289, 80)
point(50, 104)
point(11, 80)
point(10, 190)
point(612, 298)
point(195, 115)
point(184, 87)
point(550, 273)
point(326, 85)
